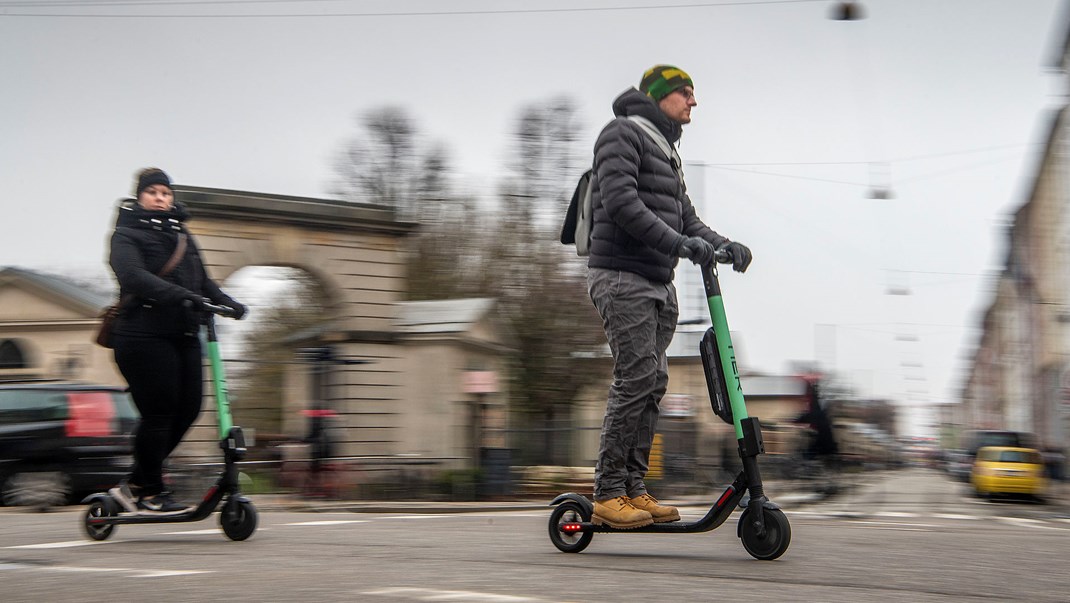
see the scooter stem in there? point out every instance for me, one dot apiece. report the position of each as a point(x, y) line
point(219, 381)
point(726, 352)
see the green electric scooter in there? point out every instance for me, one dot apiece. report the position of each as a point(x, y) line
point(762, 526)
point(238, 517)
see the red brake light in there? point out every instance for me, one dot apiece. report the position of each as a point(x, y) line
point(90, 414)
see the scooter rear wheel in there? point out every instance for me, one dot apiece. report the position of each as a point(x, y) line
point(238, 519)
point(571, 541)
point(96, 510)
point(774, 542)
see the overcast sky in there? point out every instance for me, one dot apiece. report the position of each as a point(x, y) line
point(945, 102)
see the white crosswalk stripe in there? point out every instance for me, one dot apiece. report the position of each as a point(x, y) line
point(428, 594)
point(873, 520)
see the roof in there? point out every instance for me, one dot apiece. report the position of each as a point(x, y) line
point(442, 316)
point(773, 386)
point(1061, 51)
point(60, 286)
point(60, 386)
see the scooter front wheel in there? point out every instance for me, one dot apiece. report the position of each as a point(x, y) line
point(774, 542)
point(565, 539)
point(238, 519)
point(97, 510)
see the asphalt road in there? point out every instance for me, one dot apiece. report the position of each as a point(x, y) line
point(907, 536)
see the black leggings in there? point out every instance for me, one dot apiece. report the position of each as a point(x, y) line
point(165, 378)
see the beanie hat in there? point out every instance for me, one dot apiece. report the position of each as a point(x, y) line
point(660, 80)
point(151, 176)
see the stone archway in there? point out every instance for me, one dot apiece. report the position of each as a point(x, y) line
point(354, 250)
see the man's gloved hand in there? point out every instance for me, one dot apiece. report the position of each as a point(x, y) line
point(239, 309)
point(698, 250)
point(741, 255)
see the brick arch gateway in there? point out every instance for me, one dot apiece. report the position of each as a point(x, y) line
point(410, 400)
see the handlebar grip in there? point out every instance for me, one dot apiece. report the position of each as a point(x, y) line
point(722, 257)
point(220, 310)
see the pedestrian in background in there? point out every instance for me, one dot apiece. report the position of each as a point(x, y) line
point(156, 336)
point(643, 221)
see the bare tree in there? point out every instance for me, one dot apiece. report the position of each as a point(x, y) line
point(260, 402)
point(512, 254)
point(541, 284)
point(387, 164)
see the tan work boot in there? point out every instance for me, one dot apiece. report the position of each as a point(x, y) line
point(661, 513)
point(619, 513)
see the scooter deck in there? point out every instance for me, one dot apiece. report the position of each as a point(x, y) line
point(718, 513)
point(206, 507)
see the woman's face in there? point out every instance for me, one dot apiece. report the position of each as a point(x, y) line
point(156, 197)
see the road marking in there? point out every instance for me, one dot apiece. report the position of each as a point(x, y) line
point(807, 513)
point(167, 573)
point(463, 515)
point(894, 514)
point(896, 524)
point(427, 594)
point(130, 572)
point(193, 532)
point(59, 545)
point(955, 516)
point(1028, 523)
point(328, 522)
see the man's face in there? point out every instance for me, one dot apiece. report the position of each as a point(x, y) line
point(677, 104)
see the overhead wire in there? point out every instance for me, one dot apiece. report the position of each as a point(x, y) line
point(437, 13)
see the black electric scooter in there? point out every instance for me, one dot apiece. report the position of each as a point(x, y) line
point(762, 526)
point(238, 517)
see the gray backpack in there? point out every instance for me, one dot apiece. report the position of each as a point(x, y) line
point(577, 227)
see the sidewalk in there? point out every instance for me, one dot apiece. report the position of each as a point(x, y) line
point(1057, 502)
point(294, 503)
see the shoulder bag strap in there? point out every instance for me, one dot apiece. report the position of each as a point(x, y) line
point(655, 134)
point(176, 257)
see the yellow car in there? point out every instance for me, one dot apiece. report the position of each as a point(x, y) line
point(1006, 470)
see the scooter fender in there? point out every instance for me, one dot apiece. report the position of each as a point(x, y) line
point(766, 504)
point(105, 499)
point(581, 500)
point(101, 496)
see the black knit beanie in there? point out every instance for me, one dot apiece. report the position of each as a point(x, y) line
point(151, 176)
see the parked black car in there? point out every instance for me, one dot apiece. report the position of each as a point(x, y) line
point(62, 441)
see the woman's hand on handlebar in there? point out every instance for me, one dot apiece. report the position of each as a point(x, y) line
point(222, 310)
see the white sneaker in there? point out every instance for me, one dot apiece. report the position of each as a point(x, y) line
point(122, 495)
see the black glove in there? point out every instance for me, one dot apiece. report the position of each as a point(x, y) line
point(698, 250)
point(193, 302)
point(239, 309)
point(741, 255)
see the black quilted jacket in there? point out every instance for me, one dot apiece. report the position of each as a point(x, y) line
point(142, 243)
point(641, 209)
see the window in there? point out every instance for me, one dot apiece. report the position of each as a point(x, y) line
point(1020, 456)
point(11, 356)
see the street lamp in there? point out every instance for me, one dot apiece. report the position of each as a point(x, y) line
point(847, 11)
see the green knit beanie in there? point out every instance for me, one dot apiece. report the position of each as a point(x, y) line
point(660, 80)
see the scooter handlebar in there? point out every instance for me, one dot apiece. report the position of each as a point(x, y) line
point(722, 257)
point(220, 310)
